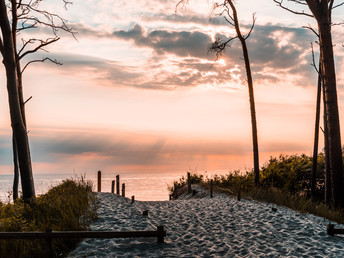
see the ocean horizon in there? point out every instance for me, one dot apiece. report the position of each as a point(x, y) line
point(143, 185)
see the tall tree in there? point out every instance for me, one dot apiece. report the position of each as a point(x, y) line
point(321, 11)
point(17, 16)
point(317, 125)
point(316, 136)
point(231, 16)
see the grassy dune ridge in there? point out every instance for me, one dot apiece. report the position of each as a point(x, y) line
point(285, 181)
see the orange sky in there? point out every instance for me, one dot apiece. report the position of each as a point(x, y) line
point(138, 91)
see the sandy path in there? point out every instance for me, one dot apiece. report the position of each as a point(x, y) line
point(206, 227)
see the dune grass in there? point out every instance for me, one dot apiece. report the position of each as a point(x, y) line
point(284, 181)
point(70, 206)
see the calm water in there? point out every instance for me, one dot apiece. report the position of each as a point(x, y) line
point(145, 186)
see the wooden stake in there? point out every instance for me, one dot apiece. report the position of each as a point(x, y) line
point(123, 190)
point(117, 184)
point(113, 186)
point(189, 183)
point(160, 230)
point(211, 188)
point(99, 181)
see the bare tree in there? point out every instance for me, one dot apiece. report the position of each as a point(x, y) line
point(17, 16)
point(228, 10)
point(321, 11)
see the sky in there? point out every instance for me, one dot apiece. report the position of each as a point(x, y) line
point(138, 90)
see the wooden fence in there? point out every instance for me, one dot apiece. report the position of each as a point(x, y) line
point(334, 231)
point(160, 233)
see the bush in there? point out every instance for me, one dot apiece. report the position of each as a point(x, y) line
point(285, 181)
point(70, 206)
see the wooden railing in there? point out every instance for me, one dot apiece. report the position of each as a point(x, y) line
point(160, 233)
point(334, 231)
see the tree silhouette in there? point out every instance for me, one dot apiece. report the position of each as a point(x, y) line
point(17, 16)
point(321, 11)
point(227, 8)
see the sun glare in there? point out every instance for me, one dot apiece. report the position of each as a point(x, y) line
point(222, 62)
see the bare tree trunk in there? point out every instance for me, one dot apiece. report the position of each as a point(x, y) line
point(327, 161)
point(316, 135)
point(16, 169)
point(17, 122)
point(251, 95)
point(332, 115)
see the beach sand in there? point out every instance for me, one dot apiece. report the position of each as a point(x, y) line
point(209, 227)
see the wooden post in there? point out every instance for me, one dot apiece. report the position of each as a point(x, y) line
point(99, 181)
point(123, 190)
point(49, 245)
point(133, 199)
point(189, 183)
point(211, 188)
point(117, 184)
point(160, 236)
point(113, 186)
point(330, 229)
point(239, 193)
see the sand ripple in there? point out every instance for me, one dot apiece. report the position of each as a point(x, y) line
point(206, 227)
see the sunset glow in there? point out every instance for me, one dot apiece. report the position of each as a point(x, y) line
point(139, 91)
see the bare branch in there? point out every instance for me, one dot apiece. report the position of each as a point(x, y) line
point(280, 4)
point(66, 3)
point(181, 2)
point(338, 23)
point(254, 18)
point(42, 61)
point(40, 46)
point(31, 26)
point(338, 5)
point(27, 100)
point(311, 29)
point(219, 46)
point(313, 59)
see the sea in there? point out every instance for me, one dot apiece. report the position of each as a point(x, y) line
point(144, 186)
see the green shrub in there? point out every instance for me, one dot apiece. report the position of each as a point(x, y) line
point(70, 206)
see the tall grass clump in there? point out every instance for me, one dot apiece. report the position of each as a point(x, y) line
point(178, 185)
point(70, 206)
point(284, 180)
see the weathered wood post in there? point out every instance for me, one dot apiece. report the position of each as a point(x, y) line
point(330, 229)
point(123, 190)
point(189, 183)
point(113, 186)
point(239, 193)
point(211, 188)
point(99, 181)
point(133, 199)
point(161, 235)
point(49, 245)
point(117, 184)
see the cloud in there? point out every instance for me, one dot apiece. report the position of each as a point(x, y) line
point(180, 58)
point(91, 150)
point(185, 19)
point(275, 51)
point(180, 43)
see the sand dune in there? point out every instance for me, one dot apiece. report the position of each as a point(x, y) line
point(204, 227)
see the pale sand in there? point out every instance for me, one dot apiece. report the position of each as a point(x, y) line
point(204, 227)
